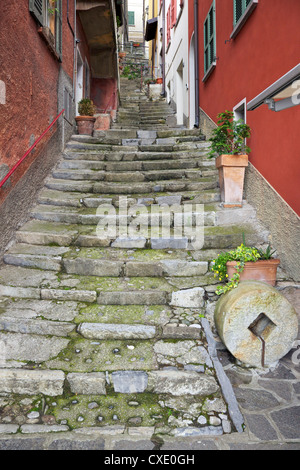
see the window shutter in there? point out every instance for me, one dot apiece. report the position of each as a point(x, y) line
point(36, 9)
point(168, 25)
point(58, 29)
point(131, 18)
point(239, 7)
point(173, 13)
point(209, 39)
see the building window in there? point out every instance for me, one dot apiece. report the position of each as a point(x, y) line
point(169, 25)
point(210, 40)
point(131, 18)
point(48, 14)
point(242, 9)
point(239, 9)
point(173, 13)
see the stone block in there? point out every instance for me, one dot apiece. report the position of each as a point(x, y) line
point(77, 295)
point(129, 381)
point(87, 384)
point(102, 122)
point(134, 242)
point(172, 243)
point(181, 383)
point(115, 331)
point(32, 382)
point(93, 267)
point(192, 298)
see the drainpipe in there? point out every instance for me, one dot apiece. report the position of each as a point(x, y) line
point(74, 39)
point(153, 45)
point(196, 50)
point(163, 92)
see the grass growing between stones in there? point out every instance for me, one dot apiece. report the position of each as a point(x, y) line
point(84, 355)
point(127, 314)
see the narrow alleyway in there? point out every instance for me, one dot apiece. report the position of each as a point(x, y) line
point(107, 307)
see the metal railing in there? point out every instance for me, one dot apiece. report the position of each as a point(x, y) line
point(29, 150)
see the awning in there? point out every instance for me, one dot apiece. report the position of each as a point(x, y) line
point(282, 94)
point(151, 28)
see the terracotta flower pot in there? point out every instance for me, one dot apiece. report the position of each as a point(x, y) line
point(85, 124)
point(159, 80)
point(231, 178)
point(261, 270)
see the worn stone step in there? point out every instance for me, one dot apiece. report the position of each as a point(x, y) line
point(131, 188)
point(80, 200)
point(126, 176)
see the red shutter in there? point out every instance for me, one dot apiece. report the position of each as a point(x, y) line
point(168, 25)
point(173, 12)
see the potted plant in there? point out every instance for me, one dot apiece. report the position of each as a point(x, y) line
point(85, 120)
point(244, 263)
point(228, 146)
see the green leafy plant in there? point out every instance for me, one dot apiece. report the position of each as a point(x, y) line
point(242, 254)
point(52, 8)
point(229, 137)
point(86, 107)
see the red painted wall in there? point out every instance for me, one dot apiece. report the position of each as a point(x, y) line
point(30, 72)
point(104, 93)
point(266, 48)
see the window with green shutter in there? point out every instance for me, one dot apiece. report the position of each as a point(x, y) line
point(131, 18)
point(48, 14)
point(36, 8)
point(240, 7)
point(242, 10)
point(210, 38)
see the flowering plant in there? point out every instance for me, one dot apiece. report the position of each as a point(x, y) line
point(241, 255)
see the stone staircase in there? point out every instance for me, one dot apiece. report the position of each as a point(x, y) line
point(103, 295)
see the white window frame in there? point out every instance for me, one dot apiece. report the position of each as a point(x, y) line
point(238, 26)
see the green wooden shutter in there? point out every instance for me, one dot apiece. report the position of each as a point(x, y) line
point(131, 18)
point(209, 38)
point(36, 9)
point(58, 28)
point(239, 8)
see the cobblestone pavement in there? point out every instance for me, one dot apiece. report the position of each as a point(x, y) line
point(109, 342)
point(268, 399)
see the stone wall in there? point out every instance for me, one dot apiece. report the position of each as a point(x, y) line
point(282, 222)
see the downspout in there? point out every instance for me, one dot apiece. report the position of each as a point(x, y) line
point(196, 50)
point(74, 39)
point(163, 92)
point(153, 45)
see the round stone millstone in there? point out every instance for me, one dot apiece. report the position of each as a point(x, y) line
point(256, 323)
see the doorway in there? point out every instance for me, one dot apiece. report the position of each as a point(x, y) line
point(192, 84)
point(179, 94)
point(79, 80)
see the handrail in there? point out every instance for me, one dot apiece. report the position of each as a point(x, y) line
point(29, 150)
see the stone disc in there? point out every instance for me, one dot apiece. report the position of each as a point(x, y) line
point(257, 324)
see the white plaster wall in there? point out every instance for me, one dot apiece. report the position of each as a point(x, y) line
point(135, 33)
point(177, 65)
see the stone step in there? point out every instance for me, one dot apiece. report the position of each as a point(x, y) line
point(131, 188)
point(134, 176)
point(89, 263)
point(140, 217)
point(136, 154)
point(80, 200)
point(139, 165)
